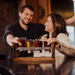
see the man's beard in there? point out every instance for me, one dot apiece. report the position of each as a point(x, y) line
point(24, 23)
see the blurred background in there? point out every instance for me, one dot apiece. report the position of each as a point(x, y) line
point(9, 14)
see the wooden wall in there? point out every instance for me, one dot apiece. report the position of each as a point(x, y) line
point(34, 4)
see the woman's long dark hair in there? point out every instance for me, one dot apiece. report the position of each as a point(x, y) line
point(59, 24)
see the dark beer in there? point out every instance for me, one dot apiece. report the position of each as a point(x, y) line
point(45, 45)
point(40, 44)
point(23, 41)
point(23, 53)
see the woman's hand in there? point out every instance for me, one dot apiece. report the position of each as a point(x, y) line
point(51, 40)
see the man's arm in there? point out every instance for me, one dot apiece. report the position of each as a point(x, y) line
point(70, 20)
point(11, 40)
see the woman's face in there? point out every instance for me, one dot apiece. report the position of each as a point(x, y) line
point(49, 25)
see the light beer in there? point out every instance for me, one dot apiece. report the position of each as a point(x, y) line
point(30, 43)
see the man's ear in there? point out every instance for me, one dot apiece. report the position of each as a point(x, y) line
point(19, 14)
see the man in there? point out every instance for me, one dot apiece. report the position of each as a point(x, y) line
point(70, 20)
point(23, 28)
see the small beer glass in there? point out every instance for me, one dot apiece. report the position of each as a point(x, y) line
point(45, 45)
point(30, 43)
point(40, 44)
point(23, 41)
point(36, 43)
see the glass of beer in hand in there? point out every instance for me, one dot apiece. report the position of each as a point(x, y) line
point(23, 41)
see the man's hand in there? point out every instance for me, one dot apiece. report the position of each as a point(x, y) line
point(11, 40)
point(70, 20)
point(15, 40)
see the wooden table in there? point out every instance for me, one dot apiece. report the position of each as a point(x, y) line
point(61, 66)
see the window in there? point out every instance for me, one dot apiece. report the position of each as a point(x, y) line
point(71, 30)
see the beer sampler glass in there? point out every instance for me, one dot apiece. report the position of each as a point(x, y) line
point(40, 44)
point(36, 43)
point(23, 41)
point(45, 45)
point(30, 43)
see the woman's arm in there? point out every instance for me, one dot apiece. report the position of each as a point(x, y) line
point(66, 47)
point(63, 44)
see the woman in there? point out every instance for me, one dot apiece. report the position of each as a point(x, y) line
point(56, 27)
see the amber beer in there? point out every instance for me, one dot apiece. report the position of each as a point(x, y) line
point(32, 43)
point(23, 41)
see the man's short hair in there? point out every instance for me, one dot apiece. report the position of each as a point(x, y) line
point(26, 6)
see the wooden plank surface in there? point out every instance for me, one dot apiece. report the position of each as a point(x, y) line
point(34, 62)
point(33, 59)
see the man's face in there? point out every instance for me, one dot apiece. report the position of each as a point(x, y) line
point(26, 16)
